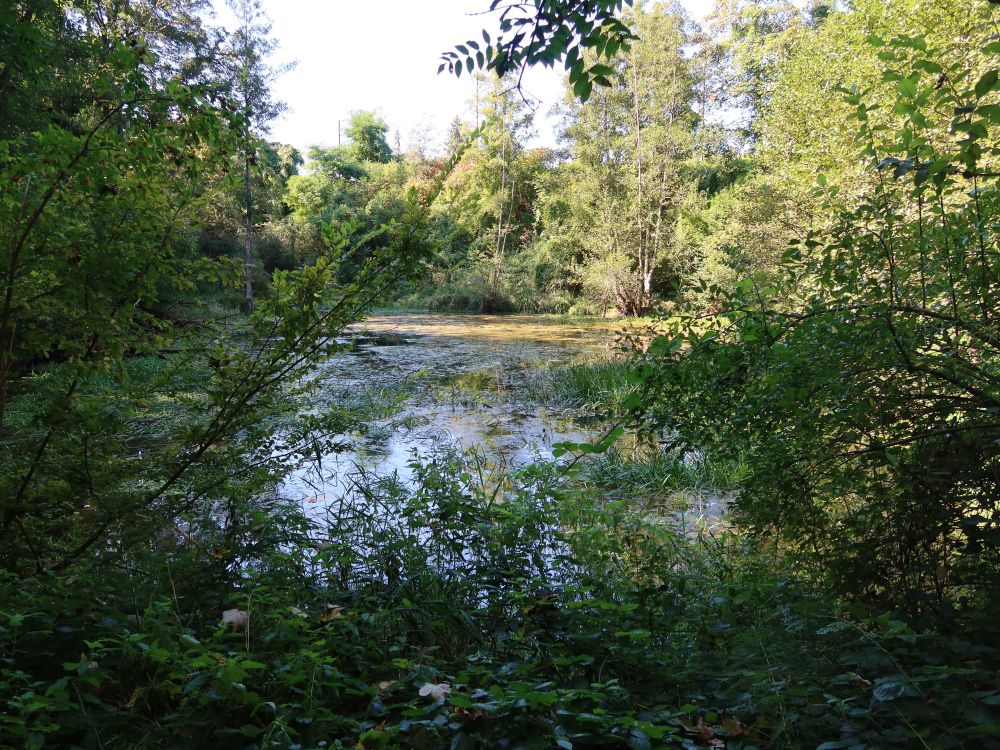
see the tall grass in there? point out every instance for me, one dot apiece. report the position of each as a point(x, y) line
point(650, 473)
point(600, 386)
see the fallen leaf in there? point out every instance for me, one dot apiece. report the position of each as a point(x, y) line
point(858, 681)
point(133, 699)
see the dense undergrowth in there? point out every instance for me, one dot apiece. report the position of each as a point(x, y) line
point(560, 608)
point(449, 617)
point(475, 298)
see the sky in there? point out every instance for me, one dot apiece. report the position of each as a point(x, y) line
point(382, 55)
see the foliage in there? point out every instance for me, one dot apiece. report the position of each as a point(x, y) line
point(95, 461)
point(367, 133)
point(249, 75)
point(382, 627)
point(545, 33)
point(866, 400)
point(832, 373)
point(619, 199)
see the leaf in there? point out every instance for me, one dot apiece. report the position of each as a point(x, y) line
point(990, 111)
point(333, 612)
point(908, 86)
point(639, 740)
point(986, 84)
point(889, 691)
point(438, 691)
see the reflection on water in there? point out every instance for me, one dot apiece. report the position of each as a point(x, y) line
point(467, 377)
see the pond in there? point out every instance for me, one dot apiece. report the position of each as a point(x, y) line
point(466, 382)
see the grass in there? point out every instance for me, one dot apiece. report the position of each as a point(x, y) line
point(651, 474)
point(600, 386)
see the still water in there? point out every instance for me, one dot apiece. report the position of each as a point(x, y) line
point(466, 381)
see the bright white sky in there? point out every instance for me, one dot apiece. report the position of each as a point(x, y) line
point(382, 55)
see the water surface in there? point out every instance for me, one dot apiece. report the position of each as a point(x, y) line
point(467, 384)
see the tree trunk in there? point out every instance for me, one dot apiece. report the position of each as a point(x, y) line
point(248, 280)
point(496, 274)
point(643, 261)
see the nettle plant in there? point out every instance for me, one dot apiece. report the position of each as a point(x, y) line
point(867, 399)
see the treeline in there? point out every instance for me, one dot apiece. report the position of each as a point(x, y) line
point(694, 166)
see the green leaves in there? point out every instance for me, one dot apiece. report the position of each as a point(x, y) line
point(545, 34)
point(599, 446)
point(583, 87)
point(986, 84)
point(908, 86)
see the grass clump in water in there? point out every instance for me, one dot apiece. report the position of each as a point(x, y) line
point(601, 385)
point(656, 475)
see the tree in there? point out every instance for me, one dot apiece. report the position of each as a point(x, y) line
point(752, 38)
point(250, 76)
point(631, 142)
point(507, 123)
point(864, 386)
point(458, 135)
point(96, 229)
point(367, 132)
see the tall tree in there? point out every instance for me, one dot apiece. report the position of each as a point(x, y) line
point(251, 75)
point(752, 40)
point(507, 124)
point(632, 141)
point(367, 132)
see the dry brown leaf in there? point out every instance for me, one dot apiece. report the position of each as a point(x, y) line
point(133, 699)
point(333, 612)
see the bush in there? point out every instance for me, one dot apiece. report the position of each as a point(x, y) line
point(866, 399)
